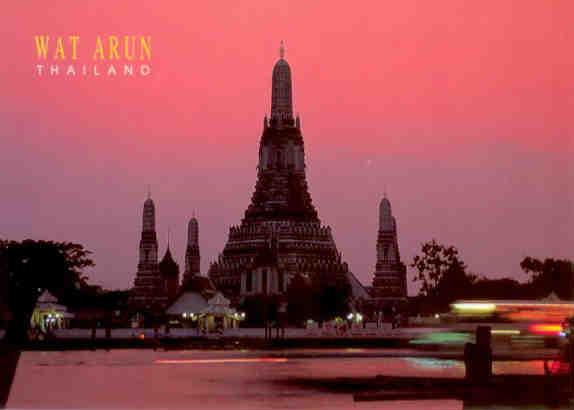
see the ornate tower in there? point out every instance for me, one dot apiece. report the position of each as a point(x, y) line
point(390, 274)
point(148, 292)
point(281, 208)
point(169, 271)
point(192, 258)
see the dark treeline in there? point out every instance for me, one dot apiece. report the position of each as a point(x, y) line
point(30, 267)
point(444, 278)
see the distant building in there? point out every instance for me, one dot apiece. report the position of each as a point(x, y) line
point(148, 293)
point(281, 212)
point(169, 271)
point(49, 314)
point(191, 299)
point(196, 289)
point(192, 256)
point(389, 282)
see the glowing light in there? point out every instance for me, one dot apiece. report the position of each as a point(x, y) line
point(474, 307)
point(223, 361)
point(505, 332)
point(546, 329)
point(442, 338)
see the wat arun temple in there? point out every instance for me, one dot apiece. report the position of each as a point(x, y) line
point(281, 208)
point(280, 234)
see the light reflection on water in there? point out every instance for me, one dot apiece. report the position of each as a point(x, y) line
point(147, 379)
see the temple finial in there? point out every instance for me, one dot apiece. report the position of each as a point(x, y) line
point(168, 235)
point(148, 191)
point(281, 50)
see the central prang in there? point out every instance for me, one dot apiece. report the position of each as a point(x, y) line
point(281, 236)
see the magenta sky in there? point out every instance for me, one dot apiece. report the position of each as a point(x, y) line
point(462, 110)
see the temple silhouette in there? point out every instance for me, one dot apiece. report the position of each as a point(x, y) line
point(281, 219)
point(279, 236)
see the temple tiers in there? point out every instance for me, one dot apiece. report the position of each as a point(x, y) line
point(192, 255)
point(281, 213)
point(389, 282)
point(148, 293)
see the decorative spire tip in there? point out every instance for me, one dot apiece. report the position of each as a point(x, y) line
point(281, 50)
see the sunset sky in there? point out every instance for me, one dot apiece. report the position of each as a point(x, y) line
point(461, 111)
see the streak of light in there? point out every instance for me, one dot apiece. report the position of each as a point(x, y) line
point(546, 328)
point(223, 361)
point(505, 332)
point(474, 307)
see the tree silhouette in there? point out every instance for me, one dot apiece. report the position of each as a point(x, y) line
point(550, 275)
point(442, 273)
point(27, 269)
point(299, 297)
point(330, 295)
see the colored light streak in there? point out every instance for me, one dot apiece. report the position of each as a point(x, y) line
point(546, 329)
point(474, 307)
point(442, 338)
point(505, 332)
point(223, 361)
point(430, 363)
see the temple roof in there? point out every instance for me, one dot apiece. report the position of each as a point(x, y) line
point(168, 266)
point(187, 302)
point(198, 283)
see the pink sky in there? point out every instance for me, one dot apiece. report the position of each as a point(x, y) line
point(462, 111)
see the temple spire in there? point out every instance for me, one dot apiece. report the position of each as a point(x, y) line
point(281, 92)
point(192, 257)
point(148, 217)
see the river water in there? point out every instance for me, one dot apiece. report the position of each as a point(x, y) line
point(147, 379)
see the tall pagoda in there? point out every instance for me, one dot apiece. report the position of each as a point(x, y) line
point(148, 293)
point(389, 281)
point(281, 213)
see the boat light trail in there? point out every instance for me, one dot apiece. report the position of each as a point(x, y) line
point(477, 307)
point(546, 329)
point(223, 361)
point(505, 332)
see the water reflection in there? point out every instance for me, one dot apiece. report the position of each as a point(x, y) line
point(210, 380)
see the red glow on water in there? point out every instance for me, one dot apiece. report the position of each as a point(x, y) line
point(221, 361)
point(546, 328)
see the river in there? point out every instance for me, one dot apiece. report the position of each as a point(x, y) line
point(225, 379)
